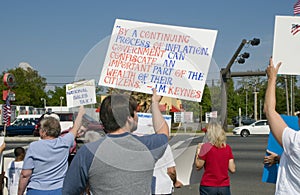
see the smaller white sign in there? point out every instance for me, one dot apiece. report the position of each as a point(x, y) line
point(178, 117)
point(81, 93)
point(188, 117)
point(183, 117)
point(145, 125)
point(209, 115)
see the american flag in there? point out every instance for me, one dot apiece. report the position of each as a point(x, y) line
point(7, 111)
point(297, 8)
point(295, 29)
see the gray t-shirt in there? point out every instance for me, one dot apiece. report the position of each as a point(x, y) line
point(115, 164)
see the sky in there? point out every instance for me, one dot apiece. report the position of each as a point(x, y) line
point(55, 36)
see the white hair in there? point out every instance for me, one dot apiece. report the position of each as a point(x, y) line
point(52, 115)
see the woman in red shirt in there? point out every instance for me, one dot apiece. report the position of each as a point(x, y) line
point(217, 159)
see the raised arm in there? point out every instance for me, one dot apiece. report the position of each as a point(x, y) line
point(2, 147)
point(159, 123)
point(276, 123)
point(78, 121)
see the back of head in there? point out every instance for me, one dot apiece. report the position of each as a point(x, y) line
point(46, 115)
point(19, 153)
point(51, 126)
point(115, 110)
point(215, 134)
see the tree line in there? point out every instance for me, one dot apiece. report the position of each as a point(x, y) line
point(31, 87)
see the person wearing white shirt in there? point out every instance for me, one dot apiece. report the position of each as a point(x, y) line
point(289, 167)
point(13, 171)
point(164, 175)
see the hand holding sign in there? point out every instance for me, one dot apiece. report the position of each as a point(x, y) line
point(81, 93)
point(155, 98)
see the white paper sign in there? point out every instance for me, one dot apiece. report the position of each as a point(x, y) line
point(81, 93)
point(174, 60)
point(183, 117)
point(145, 125)
point(178, 117)
point(286, 46)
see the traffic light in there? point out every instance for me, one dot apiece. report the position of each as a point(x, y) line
point(242, 57)
point(241, 60)
point(255, 42)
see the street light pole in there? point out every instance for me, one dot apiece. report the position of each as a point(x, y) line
point(246, 89)
point(43, 99)
point(61, 99)
point(255, 104)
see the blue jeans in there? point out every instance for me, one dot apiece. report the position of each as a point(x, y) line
point(31, 191)
point(207, 190)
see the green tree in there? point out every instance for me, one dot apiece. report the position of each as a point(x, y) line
point(30, 87)
point(232, 101)
point(259, 84)
point(206, 102)
point(54, 96)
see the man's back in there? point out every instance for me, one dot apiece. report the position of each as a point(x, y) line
point(116, 164)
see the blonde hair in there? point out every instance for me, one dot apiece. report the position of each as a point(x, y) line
point(216, 135)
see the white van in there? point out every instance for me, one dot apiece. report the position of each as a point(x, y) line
point(65, 120)
point(27, 117)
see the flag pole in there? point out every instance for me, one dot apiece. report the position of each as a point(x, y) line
point(4, 129)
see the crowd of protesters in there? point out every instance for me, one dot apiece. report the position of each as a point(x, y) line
point(121, 162)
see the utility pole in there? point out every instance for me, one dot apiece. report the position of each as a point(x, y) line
point(255, 104)
point(292, 96)
point(246, 88)
point(286, 95)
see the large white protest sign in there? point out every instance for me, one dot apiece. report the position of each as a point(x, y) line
point(286, 45)
point(145, 125)
point(81, 93)
point(174, 60)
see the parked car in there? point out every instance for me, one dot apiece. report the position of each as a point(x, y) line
point(66, 122)
point(21, 126)
point(257, 128)
point(245, 120)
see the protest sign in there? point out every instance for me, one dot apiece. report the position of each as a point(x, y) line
point(145, 125)
point(183, 117)
point(174, 60)
point(81, 93)
point(286, 45)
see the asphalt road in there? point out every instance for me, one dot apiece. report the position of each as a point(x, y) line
point(248, 153)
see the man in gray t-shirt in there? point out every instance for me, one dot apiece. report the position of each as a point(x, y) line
point(119, 163)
